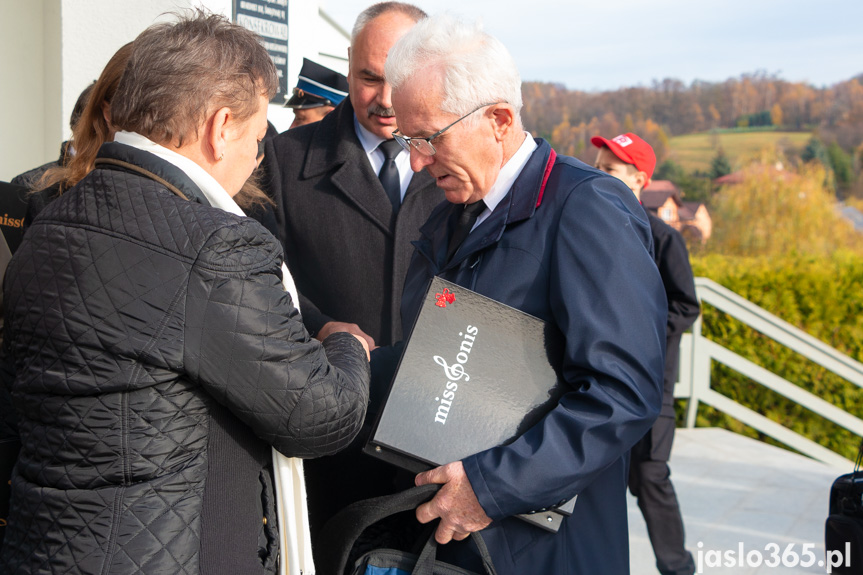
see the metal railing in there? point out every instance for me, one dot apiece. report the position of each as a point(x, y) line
point(697, 354)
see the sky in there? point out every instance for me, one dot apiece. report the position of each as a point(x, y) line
point(609, 44)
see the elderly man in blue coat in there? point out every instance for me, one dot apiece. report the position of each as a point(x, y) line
point(557, 239)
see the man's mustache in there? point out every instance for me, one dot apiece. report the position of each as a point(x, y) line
point(375, 110)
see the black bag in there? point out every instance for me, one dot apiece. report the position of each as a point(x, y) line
point(843, 532)
point(344, 529)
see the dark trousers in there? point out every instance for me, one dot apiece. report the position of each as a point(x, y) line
point(650, 482)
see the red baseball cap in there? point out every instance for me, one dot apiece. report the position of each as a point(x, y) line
point(631, 149)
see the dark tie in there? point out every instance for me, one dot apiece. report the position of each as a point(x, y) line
point(389, 174)
point(466, 220)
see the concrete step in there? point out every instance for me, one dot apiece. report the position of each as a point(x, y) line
point(733, 491)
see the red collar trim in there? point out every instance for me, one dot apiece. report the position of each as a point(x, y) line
point(548, 166)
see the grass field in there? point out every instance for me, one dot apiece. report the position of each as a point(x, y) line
point(695, 151)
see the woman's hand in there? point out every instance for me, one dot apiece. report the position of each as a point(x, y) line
point(365, 344)
point(332, 327)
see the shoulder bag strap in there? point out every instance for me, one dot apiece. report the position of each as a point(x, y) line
point(343, 529)
point(425, 562)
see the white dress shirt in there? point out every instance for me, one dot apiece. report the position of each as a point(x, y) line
point(370, 143)
point(506, 177)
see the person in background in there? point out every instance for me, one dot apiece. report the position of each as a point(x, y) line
point(153, 350)
point(348, 208)
point(29, 178)
point(554, 238)
point(317, 93)
point(632, 160)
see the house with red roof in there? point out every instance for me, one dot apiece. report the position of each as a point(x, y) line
point(691, 219)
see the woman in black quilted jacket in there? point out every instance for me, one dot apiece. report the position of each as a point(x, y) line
point(152, 352)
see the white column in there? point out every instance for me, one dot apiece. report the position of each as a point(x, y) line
point(23, 87)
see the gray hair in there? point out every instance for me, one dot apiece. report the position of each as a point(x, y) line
point(375, 10)
point(476, 67)
point(180, 72)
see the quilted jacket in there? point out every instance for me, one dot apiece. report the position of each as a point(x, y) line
point(153, 358)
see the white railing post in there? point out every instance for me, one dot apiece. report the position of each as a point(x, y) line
point(702, 352)
point(700, 372)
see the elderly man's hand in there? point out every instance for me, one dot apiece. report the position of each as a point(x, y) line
point(456, 504)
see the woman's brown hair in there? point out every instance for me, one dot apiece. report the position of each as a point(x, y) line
point(92, 129)
point(181, 72)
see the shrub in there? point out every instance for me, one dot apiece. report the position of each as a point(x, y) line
point(820, 295)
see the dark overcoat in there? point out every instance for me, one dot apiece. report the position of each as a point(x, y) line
point(346, 250)
point(572, 246)
point(348, 254)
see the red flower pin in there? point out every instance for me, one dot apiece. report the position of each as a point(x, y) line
point(444, 298)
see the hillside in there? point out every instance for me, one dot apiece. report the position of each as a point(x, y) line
point(695, 151)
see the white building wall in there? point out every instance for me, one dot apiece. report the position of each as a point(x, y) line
point(313, 41)
point(92, 30)
point(333, 42)
point(22, 85)
point(50, 50)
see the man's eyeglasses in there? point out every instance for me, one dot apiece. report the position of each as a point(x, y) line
point(424, 145)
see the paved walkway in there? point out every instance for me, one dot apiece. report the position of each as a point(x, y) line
point(736, 491)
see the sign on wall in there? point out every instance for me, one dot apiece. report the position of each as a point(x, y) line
point(268, 19)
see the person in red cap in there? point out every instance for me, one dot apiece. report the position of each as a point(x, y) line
point(631, 159)
point(626, 157)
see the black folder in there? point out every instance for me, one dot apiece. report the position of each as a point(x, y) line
point(475, 374)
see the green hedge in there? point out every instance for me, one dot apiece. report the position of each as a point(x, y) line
point(823, 297)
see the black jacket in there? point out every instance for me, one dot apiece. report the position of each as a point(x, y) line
point(672, 259)
point(153, 358)
point(345, 249)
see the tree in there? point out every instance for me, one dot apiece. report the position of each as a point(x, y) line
point(774, 213)
point(754, 99)
point(693, 187)
point(719, 166)
point(840, 162)
point(776, 115)
point(669, 170)
point(715, 116)
point(608, 125)
point(815, 151)
point(697, 117)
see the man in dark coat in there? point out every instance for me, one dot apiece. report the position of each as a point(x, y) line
point(632, 160)
point(559, 240)
point(346, 242)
